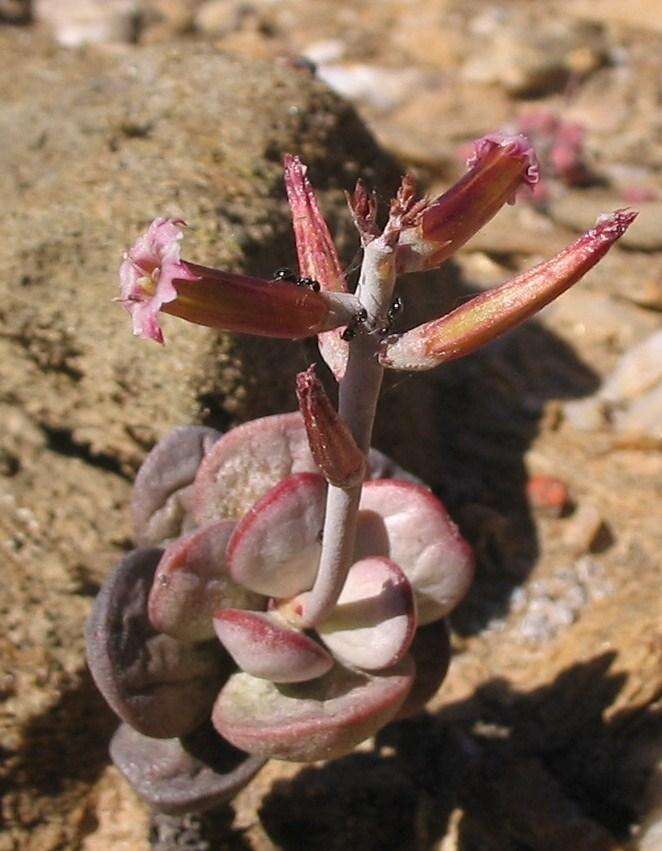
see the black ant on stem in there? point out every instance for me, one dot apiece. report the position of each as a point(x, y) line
point(288, 275)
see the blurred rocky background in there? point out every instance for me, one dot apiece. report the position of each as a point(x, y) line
point(546, 446)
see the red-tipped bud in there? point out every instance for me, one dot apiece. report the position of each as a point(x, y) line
point(154, 278)
point(500, 165)
point(363, 207)
point(318, 258)
point(490, 314)
point(331, 442)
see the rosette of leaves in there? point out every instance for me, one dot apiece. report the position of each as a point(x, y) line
point(193, 639)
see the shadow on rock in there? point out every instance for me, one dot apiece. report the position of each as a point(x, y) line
point(502, 771)
point(64, 749)
point(466, 427)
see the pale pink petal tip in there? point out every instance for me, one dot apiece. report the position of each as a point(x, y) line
point(613, 225)
point(147, 273)
point(516, 145)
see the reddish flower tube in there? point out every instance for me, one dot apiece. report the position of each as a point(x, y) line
point(500, 165)
point(490, 314)
point(154, 278)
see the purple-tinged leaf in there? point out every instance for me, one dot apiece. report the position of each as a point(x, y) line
point(275, 547)
point(265, 648)
point(249, 460)
point(408, 524)
point(199, 772)
point(374, 621)
point(431, 651)
point(192, 581)
point(159, 686)
point(160, 506)
point(320, 719)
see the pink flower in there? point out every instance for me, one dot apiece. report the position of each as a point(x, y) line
point(155, 279)
point(147, 274)
point(499, 166)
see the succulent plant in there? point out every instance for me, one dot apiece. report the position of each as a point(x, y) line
point(288, 594)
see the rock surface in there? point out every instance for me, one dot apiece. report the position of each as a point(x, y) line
point(158, 132)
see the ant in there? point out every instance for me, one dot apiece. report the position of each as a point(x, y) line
point(350, 331)
point(394, 310)
point(288, 275)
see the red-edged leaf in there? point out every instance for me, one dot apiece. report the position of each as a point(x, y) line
point(192, 581)
point(321, 719)
point(408, 524)
point(265, 648)
point(252, 458)
point(275, 547)
point(374, 621)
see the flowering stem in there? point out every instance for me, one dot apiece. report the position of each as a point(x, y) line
point(358, 394)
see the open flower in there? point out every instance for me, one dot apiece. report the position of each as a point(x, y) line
point(153, 279)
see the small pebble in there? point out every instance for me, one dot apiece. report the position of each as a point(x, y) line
point(547, 494)
point(638, 370)
point(582, 529)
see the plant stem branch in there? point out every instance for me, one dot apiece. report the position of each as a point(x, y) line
point(358, 395)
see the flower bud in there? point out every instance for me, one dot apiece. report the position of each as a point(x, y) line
point(153, 278)
point(490, 314)
point(332, 445)
point(499, 166)
point(318, 258)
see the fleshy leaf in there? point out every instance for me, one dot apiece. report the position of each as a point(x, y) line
point(265, 648)
point(431, 651)
point(318, 258)
point(374, 621)
point(252, 458)
point(249, 461)
point(409, 525)
point(275, 547)
point(192, 581)
point(160, 506)
point(320, 719)
point(199, 772)
point(159, 686)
